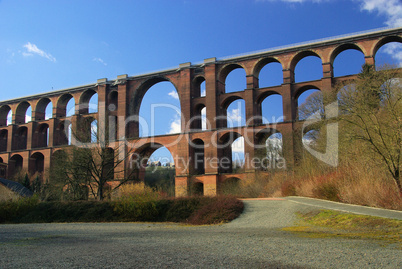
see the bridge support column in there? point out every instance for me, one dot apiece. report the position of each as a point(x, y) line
point(181, 186)
point(211, 97)
point(210, 185)
point(370, 60)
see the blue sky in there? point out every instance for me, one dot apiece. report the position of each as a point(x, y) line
point(51, 45)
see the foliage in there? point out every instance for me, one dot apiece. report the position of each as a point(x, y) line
point(162, 178)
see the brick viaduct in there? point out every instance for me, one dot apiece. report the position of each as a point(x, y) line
point(31, 145)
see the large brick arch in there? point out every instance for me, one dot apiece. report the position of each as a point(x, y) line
point(301, 55)
point(383, 41)
point(260, 64)
point(136, 96)
point(119, 102)
point(339, 49)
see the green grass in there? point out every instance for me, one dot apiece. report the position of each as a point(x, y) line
point(328, 223)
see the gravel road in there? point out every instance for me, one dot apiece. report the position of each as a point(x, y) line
point(254, 240)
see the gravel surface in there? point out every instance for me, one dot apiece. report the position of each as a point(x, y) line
point(254, 240)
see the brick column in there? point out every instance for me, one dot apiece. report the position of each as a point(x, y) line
point(210, 185)
point(181, 186)
point(211, 96)
point(369, 60)
point(184, 91)
point(102, 113)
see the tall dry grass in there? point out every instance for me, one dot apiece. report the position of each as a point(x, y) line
point(359, 181)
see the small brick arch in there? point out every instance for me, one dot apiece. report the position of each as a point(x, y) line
point(20, 112)
point(40, 109)
point(3, 140)
point(4, 111)
point(197, 81)
point(41, 136)
point(61, 105)
point(36, 163)
point(301, 90)
point(84, 99)
point(225, 70)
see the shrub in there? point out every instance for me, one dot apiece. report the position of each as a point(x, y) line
point(288, 188)
point(328, 191)
point(11, 210)
point(194, 210)
point(217, 210)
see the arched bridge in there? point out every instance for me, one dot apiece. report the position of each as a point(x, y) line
point(202, 154)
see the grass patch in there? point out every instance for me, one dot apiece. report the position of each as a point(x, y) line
point(329, 223)
point(191, 210)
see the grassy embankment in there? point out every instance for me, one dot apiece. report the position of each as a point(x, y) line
point(328, 223)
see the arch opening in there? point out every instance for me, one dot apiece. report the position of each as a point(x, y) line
point(44, 109)
point(236, 114)
point(236, 80)
point(88, 102)
point(3, 140)
point(310, 104)
point(389, 53)
point(198, 156)
point(348, 62)
point(36, 164)
point(157, 168)
point(15, 166)
point(23, 113)
point(230, 152)
point(272, 109)
point(197, 188)
point(308, 68)
point(41, 137)
point(20, 138)
point(160, 111)
point(271, 75)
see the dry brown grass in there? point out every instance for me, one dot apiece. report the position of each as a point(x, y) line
point(356, 181)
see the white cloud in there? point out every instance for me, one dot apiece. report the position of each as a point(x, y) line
point(99, 60)
point(175, 126)
point(395, 50)
point(32, 49)
point(294, 1)
point(238, 145)
point(392, 9)
point(234, 117)
point(174, 94)
point(204, 118)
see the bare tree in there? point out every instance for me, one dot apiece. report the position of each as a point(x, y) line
point(92, 162)
point(371, 107)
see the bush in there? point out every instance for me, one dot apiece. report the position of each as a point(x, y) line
point(194, 210)
point(11, 210)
